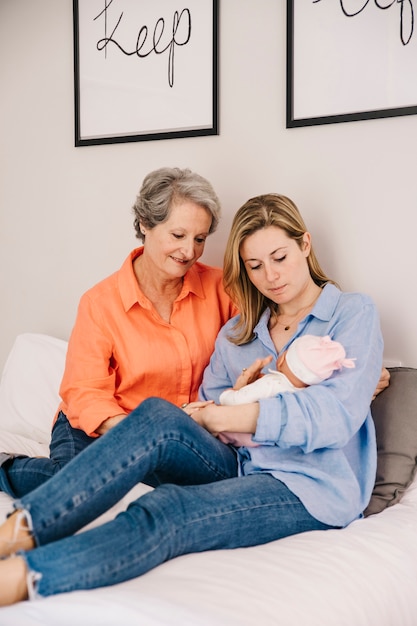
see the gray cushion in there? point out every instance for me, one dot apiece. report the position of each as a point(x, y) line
point(394, 412)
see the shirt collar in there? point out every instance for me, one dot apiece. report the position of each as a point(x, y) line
point(326, 303)
point(192, 283)
point(323, 309)
point(131, 293)
point(128, 285)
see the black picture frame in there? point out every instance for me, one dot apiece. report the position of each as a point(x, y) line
point(317, 24)
point(144, 70)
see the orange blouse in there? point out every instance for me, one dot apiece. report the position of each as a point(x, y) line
point(121, 351)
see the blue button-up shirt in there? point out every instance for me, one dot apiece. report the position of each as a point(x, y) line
point(319, 441)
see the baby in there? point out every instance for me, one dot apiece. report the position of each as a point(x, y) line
point(309, 360)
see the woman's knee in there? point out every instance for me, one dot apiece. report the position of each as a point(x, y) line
point(162, 414)
point(158, 422)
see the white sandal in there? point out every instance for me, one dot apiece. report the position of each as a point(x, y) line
point(23, 522)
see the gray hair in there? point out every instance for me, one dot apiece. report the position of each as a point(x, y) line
point(162, 188)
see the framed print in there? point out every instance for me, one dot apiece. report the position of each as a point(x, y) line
point(144, 70)
point(350, 60)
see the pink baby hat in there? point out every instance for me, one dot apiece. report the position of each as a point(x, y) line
point(313, 359)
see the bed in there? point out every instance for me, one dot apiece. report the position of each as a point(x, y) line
point(363, 575)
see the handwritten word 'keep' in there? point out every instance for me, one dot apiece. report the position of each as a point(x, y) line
point(146, 43)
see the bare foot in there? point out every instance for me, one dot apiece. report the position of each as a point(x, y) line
point(15, 535)
point(13, 586)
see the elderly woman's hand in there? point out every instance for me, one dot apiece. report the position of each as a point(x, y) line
point(191, 407)
point(110, 423)
point(204, 413)
point(382, 383)
point(218, 419)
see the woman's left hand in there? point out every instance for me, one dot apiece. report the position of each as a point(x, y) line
point(383, 382)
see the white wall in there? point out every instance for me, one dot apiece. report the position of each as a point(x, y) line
point(65, 217)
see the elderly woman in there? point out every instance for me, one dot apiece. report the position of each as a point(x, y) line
point(147, 330)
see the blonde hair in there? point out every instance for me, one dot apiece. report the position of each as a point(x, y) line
point(258, 213)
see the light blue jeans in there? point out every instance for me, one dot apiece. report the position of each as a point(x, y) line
point(198, 504)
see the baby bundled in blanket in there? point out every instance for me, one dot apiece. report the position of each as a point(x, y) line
point(308, 361)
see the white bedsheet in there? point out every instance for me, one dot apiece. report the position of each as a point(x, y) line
point(364, 575)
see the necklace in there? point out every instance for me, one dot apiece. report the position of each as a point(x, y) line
point(295, 318)
point(287, 325)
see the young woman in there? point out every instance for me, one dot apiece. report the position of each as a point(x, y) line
point(313, 469)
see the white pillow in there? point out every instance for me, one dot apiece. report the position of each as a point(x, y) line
point(16, 444)
point(29, 388)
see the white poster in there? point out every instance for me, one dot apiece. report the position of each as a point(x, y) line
point(350, 60)
point(144, 69)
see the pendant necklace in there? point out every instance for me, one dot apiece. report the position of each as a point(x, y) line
point(295, 318)
point(287, 326)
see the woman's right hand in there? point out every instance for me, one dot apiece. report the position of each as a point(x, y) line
point(109, 423)
point(251, 373)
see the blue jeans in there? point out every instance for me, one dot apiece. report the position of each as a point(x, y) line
point(200, 503)
point(21, 474)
